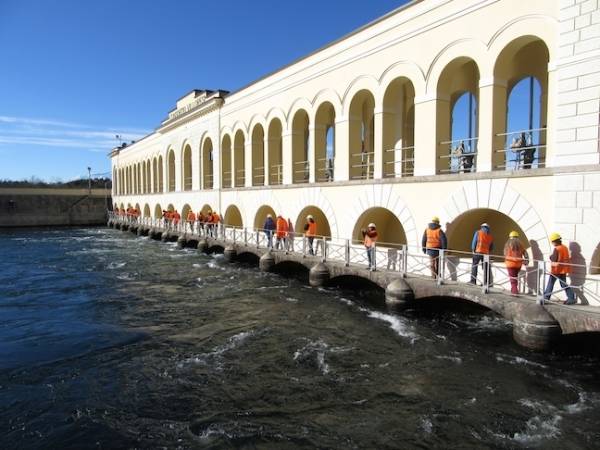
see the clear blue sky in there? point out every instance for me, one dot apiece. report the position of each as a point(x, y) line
point(76, 72)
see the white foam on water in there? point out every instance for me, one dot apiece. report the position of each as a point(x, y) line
point(518, 360)
point(197, 266)
point(316, 350)
point(454, 359)
point(396, 324)
point(116, 265)
point(426, 425)
point(208, 358)
point(214, 265)
point(291, 299)
point(346, 301)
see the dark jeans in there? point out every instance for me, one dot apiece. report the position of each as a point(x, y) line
point(371, 256)
point(478, 258)
point(563, 284)
point(269, 235)
point(310, 245)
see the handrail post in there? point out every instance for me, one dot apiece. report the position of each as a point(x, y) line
point(303, 246)
point(245, 236)
point(487, 271)
point(324, 247)
point(374, 256)
point(441, 267)
point(404, 261)
point(257, 239)
point(541, 282)
point(347, 252)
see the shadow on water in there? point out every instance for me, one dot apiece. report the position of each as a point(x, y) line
point(291, 269)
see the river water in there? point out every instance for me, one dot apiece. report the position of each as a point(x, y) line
point(112, 341)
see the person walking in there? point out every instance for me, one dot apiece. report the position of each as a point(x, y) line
point(310, 231)
point(482, 244)
point(281, 233)
point(176, 219)
point(434, 240)
point(191, 218)
point(514, 257)
point(370, 236)
point(268, 228)
point(216, 220)
point(559, 269)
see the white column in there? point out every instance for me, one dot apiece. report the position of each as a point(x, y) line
point(342, 143)
point(287, 160)
point(425, 135)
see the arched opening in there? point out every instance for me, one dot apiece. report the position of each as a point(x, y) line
point(320, 218)
point(206, 209)
point(595, 263)
point(300, 137)
point(207, 164)
point(258, 156)
point(399, 129)
point(233, 217)
point(239, 164)
point(226, 168)
point(129, 180)
point(187, 168)
point(389, 229)
point(275, 150)
point(460, 231)
point(134, 170)
point(457, 123)
point(161, 179)
point(170, 208)
point(261, 216)
point(137, 207)
point(148, 177)
point(520, 118)
point(184, 212)
point(362, 136)
point(325, 142)
point(140, 174)
point(157, 211)
point(146, 210)
point(154, 175)
point(171, 171)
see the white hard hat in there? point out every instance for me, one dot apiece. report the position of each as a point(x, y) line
point(484, 224)
point(309, 216)
point(372, 225)
point(269, 216)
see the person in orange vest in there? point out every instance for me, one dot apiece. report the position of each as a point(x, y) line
point(370, 236)
point(560, 260)
point(482, 244)
point(290, 236)
point(201, 220)
point(514, 257)
point(176, 218)
point(216, 219)
point(281, 229)
point(208, 219)
point(191, 218)
point(310, 231)
point(434, 240)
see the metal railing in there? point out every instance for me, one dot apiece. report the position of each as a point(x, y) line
point(454, 267)
point(303, 171)
point(403, 164)
point(325, 170)
point(461, 157)
point(366, 165)
point(520, 150)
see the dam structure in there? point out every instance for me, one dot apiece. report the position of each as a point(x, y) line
point(474, 111)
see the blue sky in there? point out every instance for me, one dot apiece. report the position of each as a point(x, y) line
point(75, 73)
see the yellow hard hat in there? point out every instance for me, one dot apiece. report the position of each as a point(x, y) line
point(435, 219)
point(513, 234)
point(554, 237)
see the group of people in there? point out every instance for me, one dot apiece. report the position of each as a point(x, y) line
point(515, 257)
point(203, 223)
point(131, 213)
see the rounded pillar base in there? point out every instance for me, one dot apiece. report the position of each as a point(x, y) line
point(535, 328)
point(398, 294)
point(229, 254)
point(318, 275)
point(181, 241)
point(202, 245)
point(165, 236)
point(140, 231)
point(266, 262)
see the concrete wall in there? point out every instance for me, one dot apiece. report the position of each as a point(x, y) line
point(52, 207)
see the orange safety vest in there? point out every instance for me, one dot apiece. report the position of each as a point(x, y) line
point(563, 257)
point(216, 218)
point(191, 217)
point(513, 258)
point(434, 238)
point(176, 217)
point(484, 242)
point(282, 227)
point(370, 241)
point(312, 229)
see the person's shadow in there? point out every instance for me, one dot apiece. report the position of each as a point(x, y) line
point(531, 274)
point(578, 272)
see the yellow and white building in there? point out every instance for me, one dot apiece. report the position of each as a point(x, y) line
point(361, 131)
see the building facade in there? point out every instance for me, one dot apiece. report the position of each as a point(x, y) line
point(470, 110)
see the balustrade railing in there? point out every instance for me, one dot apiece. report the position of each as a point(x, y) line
point(461, 157)
point(454, 267)
point(523, 149)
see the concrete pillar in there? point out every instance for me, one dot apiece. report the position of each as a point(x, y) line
point(312, 158)
point(342, 151)
point(249, 172)
point(425, 135)
point(229, 254)
point(266, 159)
point(492, 120)
point(318, 275)
point(266, 262)
point(378, 144)
point(398, 294)
point(535, 328)
point(288, 169)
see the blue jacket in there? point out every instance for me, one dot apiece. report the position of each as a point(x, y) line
point(269, 224)
point(474, 241)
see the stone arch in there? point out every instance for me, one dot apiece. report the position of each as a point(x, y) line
point(361, 83)
point(403, 69)
point(398, 128)
point(261, 216)
point(323, 228)
point(329, 96)
point(384, 196)
point(275, 151)
point(239, 158)
point(324, 141)
point(171, 170)
point(300, 104)
point(206, 208)
point(157, 211)
point(497, 195)
point(300, 146)
point(146, 210)
point(207, 163)
point(226, 160)
point(185, 210)
point(233, 217)
point(170, 207)
point(361, 144)
point(161, 179)
point(186, 166)
point(276, 113)
point(390, 229)
point(316, 197)
point(595, 261)
point(258, 154)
